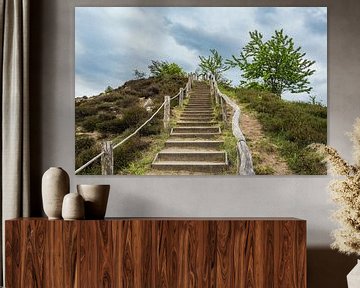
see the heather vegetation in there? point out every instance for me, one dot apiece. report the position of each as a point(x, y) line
point(267, 70)
point(115, 114)
point(291, 127)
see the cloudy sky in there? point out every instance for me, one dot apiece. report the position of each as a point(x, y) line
point(110, 42)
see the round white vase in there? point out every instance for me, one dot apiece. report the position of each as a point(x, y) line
point(96, 198)
point(73, 207)
point(55, 185)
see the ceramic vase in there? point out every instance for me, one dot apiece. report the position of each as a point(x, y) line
point(55, 185)
point(353, 278)
point(73, 207)
point(96, 198)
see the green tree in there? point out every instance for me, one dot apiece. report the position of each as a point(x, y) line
point(214, 64)
point(165, 69)
point(108, 89)
point(276, 64)
point(139, 74)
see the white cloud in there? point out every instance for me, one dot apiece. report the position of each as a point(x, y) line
point(111, 42)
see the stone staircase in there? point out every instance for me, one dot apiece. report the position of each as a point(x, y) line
point(194, 145)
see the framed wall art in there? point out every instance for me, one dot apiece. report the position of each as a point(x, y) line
point(200, 90)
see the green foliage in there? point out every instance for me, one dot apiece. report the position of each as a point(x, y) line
point(139, 74)
point(275, 63)
point(291, 126)
point(105, 117)
point(83, 143)
point(89, 124)
point(114, 126)
point(108, 89)
point(151, 91)
point(131, 119)
point(127, 152)
point(152, 128)
point(83, 111)
point(142, 164)
point(115, 115)
point(230, 146)
point(126, 101)
point(165, 69)
point(134, 116)
point(85, 149)
point(214, 64)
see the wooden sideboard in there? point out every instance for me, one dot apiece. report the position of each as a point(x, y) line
point(156, 252)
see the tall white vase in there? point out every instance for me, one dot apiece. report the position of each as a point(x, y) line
point(55, 185)
point(353, 278)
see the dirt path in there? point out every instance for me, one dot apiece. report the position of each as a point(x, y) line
point(266, 157)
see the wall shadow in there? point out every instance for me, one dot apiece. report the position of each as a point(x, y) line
point(37, 10)
point(328, 268)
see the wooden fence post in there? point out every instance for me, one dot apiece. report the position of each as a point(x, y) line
point(223, 110)
point(216, 97)
point(107, 159)
point(211, 88)
point(167, 113)
point(181, 97)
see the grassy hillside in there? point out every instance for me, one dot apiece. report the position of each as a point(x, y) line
point(114, 114)
point(291, 126)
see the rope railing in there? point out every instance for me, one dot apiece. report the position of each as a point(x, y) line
point(245, 164)
point(107, 159)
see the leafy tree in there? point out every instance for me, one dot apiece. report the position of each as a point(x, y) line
point(214, 64)
point(276, 64)
point(108, 89)
point(139, 74)
point(165, 69)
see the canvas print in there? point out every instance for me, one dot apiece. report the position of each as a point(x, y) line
point(200, 90)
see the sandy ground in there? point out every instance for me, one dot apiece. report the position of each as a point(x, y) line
point(260, 146)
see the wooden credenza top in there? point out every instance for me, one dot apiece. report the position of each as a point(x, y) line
point(156, 252)
point(155, 218)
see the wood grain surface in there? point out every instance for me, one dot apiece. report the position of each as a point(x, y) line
point(156, 253)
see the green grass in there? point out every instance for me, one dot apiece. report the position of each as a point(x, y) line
point(230, 147)
point(142, 165)
point(291, 126)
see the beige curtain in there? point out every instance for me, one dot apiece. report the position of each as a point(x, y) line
point(15, 172)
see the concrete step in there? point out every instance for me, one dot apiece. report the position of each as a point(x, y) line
point(200, 98)
point(199, 104)
point(204, 144)
point(203, 105)
point(196, 129)
point(209, 105)
point(205, 135)
point(205, 167)
point(198, 156)
point(199, 107)
point(195, 123)
point(196, 118)
point(196, 112)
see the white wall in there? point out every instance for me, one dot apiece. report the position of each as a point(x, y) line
point(297, 196)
